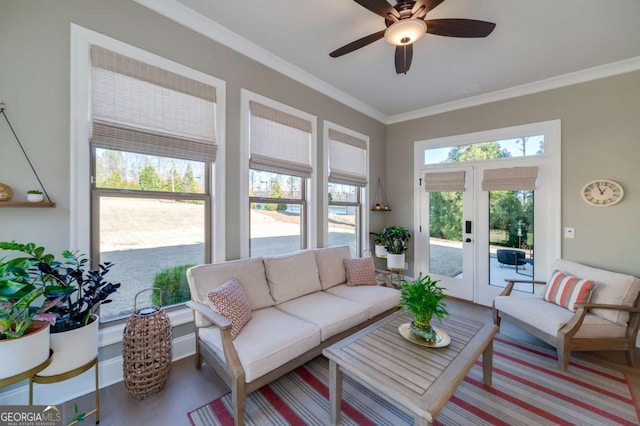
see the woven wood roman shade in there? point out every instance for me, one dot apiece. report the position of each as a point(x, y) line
point(137, 107)
point(444, 181)
point(510, 179)
point(347, 159)
point(279, 142)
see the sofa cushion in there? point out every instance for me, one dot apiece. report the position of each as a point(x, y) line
point(549, 317)
point(611, 288)
point(271, 339)
point(332, 314)
point(249, 272)
point(566, 290)
point(292, 275)
point(378, 298)
point(360, 271)
point(330, 267)
point(230, 301)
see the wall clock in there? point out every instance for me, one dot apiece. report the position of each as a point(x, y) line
point(602, 192)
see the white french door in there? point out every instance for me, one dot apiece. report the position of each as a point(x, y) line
point(458, 232)
point(447, 238)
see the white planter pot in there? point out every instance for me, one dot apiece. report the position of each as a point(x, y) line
point(26, 352)
point(395, 261)
point(381, 251)
point(72, 349)
point(35, 198)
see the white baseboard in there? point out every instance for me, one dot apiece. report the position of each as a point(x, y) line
point(110, 372)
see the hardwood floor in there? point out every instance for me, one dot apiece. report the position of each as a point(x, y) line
point(189, 388)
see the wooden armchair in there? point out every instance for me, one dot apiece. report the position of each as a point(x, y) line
point(608, 322)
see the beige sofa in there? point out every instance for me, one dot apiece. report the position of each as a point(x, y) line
point(608, 321)
point(300, 304)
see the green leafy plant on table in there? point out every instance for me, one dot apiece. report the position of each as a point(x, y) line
point(425, 299)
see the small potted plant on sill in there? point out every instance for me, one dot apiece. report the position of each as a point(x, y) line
point(425, 300)
point(34, 196)
point(396, 238)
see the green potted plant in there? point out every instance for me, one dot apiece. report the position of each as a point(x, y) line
point(379, 245)
point(72, 293)
point(23, 339)
point(75, 293)
point(425, 299)
point(34, 196)
point(396, 238)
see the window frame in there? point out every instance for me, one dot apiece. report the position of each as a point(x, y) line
point(80, 151)
point(309, 231)
point(363, 226)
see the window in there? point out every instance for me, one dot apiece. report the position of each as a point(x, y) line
point(280, 146)
point(519, 147)
point(347, 183)
point(153, 146)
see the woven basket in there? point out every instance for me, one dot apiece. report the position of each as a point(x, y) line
point(146, 350)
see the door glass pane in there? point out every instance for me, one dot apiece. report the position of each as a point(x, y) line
point(275, 228)
point(149, 240)
point(445, 234)
point(511, 247)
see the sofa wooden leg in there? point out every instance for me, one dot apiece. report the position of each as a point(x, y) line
point(564, 354)
point(237, 401)
point(631, 354)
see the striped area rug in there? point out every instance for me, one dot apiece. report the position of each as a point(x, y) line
point(528, 389)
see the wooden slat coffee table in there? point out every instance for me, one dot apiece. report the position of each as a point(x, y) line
point(418, 378)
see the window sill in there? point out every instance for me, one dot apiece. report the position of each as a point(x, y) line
point(111, 335)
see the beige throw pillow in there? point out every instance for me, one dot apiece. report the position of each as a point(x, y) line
point(360, 271)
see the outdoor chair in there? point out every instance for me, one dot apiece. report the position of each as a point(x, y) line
point(511, 257)
point(580, 308)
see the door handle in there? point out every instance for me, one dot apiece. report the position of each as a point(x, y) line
point(468, 240)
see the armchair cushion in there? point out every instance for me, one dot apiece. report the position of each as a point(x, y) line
point(230, 301)
point(360, 271)
point(566, 290)
point(611, 288)
point(549, 317)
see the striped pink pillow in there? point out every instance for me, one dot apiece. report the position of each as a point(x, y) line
point(230, 301)
point(567, 290)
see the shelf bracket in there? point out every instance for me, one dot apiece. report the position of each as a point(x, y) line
point(3, 106)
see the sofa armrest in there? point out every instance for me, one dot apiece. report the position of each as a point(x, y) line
point(230, 355)
point(587, 306)
point(386, 276)
point(211, 315)
point(510, 283)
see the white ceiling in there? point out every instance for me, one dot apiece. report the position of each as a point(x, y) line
point(533, 41)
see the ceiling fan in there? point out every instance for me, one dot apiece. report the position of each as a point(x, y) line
point(406, 24)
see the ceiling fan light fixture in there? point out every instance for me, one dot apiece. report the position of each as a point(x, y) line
point(405, 31)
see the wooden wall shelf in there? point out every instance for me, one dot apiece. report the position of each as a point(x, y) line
point(27, 204)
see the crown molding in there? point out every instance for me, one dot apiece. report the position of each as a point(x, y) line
point(589, 74)
point(197, 22)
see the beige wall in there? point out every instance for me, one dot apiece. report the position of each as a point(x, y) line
point(34, 83)
point(600, 139)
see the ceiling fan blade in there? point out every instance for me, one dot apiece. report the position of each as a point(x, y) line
point(404, 55)
point(380, 7)
point(429, 5)
point(468, 28)
point(354, 45)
